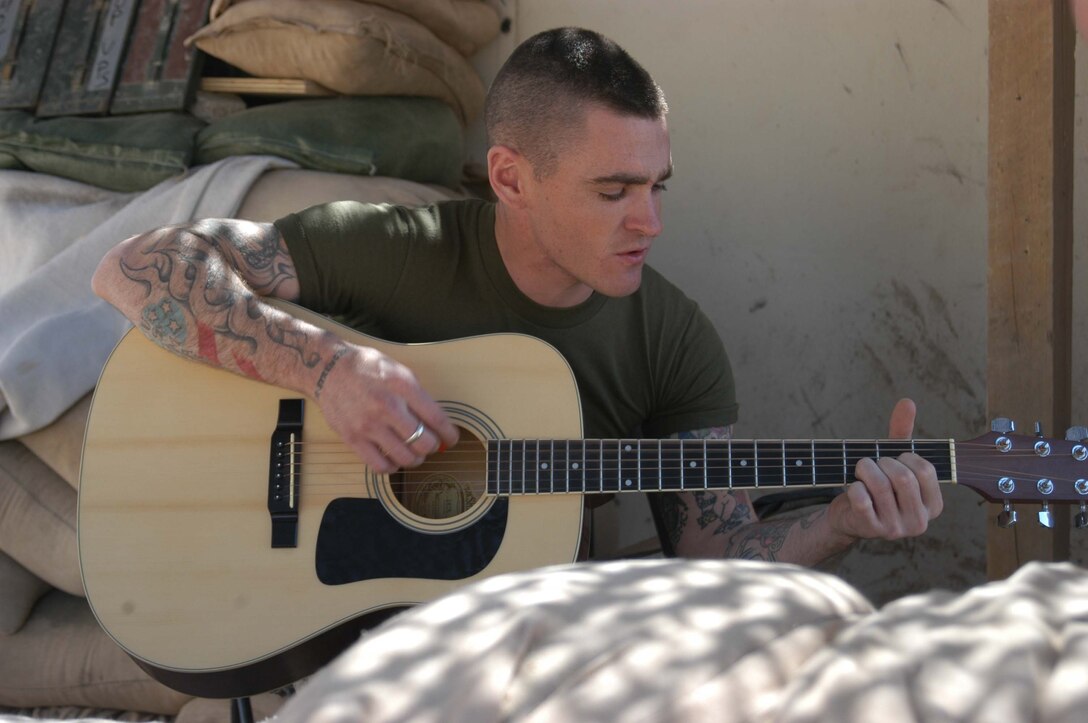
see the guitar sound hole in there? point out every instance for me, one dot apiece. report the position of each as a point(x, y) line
point(446, 484)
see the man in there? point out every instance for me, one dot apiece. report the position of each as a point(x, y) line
point(579, 155)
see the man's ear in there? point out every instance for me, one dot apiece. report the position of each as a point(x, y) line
point(508, 171)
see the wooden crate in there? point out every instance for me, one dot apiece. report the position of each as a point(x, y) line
point(159, 73)
point(28, 29)
point(86, 58)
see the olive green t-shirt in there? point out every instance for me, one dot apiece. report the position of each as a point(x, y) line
point(647, 364)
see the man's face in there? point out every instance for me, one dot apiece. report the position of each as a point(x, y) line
point(594, 217)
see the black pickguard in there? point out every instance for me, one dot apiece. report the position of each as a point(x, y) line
point(358, 540)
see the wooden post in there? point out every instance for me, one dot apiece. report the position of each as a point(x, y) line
point(1029, 355)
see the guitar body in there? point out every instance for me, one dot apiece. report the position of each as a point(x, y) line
point(175, 529)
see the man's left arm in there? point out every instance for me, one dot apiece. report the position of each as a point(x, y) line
point(891, 498)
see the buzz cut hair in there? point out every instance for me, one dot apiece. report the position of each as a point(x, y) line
point(539, 97)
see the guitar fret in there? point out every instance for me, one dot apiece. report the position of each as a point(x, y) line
point(683, 469)
point(551, 465)
point(510, 464)
point(568, 467)
point(626, 478)
point(785, 474)
point(716, 470)
point(812, 446)
point(584, 469)
point(729, 446)
point(706, 464)
point(601, 461)
point(755, 463)
point(672, 471)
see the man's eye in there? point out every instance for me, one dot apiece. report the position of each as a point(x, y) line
point(613, 195)
point(660, 187)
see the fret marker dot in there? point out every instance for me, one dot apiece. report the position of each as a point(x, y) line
point(627, 448)
point(544, 465)
point(744, 463)
point(799, 463)
point(627, 482)
point(691, 464)
point(574, 466)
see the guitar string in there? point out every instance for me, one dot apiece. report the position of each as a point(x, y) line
point(405, 479)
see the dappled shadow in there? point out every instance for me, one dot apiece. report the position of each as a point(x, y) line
point(633, 641)
point(673, 640)
point(1009, 651)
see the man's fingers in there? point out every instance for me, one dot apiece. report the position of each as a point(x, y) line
point(909, 515)
point(929, 486)
point(878, 486)
point(901, 425)
point(438, 427)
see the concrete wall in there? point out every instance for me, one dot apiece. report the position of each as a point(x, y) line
point(828, 211)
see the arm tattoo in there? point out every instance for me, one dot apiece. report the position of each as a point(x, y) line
point(764, 540)
point(201, 300)
point(714, 512)
point(328, 368)
point(721, 510)
point(262, 259)
point(673, 515)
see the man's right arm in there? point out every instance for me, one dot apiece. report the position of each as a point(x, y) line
point(199, 291)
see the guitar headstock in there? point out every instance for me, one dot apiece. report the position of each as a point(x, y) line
point(1006, 467)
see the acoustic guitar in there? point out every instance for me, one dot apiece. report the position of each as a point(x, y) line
point(231, 544)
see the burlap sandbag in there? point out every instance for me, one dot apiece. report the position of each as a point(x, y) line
point(351, 47)
point(465, 25)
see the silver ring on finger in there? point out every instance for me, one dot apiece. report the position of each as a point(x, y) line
point(416, 434)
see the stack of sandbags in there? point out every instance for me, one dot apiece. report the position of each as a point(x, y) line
point(358, 47)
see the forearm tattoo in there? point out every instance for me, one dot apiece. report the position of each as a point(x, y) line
point(765, 539)
point(195, 301)
point(720, 511)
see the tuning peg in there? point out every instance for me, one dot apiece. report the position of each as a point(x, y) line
point(1046, 517)
point(1003, 425)
point(1076, 434)
point(1007, 516)
point(1081, 518)
point(1038, 429)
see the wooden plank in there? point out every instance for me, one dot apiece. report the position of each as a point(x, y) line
point(28, 29)
point(87, 57)
point(263, 86)
point(1030, 282)
point(159, 73)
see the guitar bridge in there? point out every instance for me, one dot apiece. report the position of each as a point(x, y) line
point(284, 468)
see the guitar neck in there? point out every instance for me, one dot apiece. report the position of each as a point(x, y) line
point(541, 466)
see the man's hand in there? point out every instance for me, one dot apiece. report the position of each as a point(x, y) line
point(892, 498)
point(377, 406)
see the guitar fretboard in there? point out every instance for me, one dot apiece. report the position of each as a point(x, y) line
point(542, 466)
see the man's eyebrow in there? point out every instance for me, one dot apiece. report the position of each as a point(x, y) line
point(630, 179)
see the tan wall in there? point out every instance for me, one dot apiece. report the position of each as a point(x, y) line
point(829, 212)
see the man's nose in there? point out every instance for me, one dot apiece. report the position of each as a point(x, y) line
point(645, 216)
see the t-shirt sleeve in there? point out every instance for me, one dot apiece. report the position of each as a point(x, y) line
point(349, 256)
point(698, 390)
